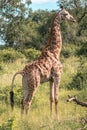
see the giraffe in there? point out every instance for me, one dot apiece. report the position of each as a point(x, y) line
point(46, 68)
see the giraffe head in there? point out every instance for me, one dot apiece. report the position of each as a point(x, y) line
point(65, 15)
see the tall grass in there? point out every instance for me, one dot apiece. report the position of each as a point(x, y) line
point(39, 118)
point(70, 114)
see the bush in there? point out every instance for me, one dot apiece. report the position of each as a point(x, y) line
point(7, 125)
point(18, 95)
point(31, 54)
point(1, 68)
point(9, 55)
point(80, 80)
point(82, 50)
point(69, 50)
point(4, 94)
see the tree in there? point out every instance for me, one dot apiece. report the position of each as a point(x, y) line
point(43, 17)
point(20, 26)
point(13, 14)
point(79, 31)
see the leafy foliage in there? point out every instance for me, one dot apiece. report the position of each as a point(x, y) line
point(77, 32)
point(9, 55)
point(7, 125)
point(69, 50)
point(1, 68)
point(23, 28)
point(80, 79)
point(82, 50)
point(74, 68)
point(20, 26)
point(13, 14)
point(31, 54)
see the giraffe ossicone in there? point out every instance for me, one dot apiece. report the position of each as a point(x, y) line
point(46, 68)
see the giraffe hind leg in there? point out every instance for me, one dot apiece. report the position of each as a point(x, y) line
point(56, 87)
point(25, 105)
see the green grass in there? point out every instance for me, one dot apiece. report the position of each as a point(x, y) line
point(70, 114)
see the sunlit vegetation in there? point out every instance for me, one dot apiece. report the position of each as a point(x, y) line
point(71, 115)
point(25, 33)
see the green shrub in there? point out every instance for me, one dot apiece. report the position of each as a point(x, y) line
point(9, 55)
point(7, 125)
point(18, 95)
point(66, 53)
point(1, 68)
point(69, 50)
point(31, 54)
point(4, 94)
point(82, 50)
point(80, 80)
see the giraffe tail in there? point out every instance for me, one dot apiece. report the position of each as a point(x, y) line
point(11, 92)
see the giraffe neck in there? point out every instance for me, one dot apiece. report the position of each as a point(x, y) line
point(55, 42)
point(55, 38)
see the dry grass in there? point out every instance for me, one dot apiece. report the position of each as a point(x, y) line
point(39, 117)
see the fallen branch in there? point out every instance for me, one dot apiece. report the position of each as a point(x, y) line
point(74, 98)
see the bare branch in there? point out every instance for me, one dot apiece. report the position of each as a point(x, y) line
point(74, 99)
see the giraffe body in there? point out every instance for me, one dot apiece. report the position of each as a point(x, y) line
point(47, 68)
point(40, 71)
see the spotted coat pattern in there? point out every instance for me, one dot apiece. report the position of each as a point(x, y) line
point(47, 68)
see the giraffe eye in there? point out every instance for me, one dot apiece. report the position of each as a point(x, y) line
point(66, 14)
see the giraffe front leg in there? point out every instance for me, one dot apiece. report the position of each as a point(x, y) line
point(56, 92)
point(56, 100)
point(51, 96)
